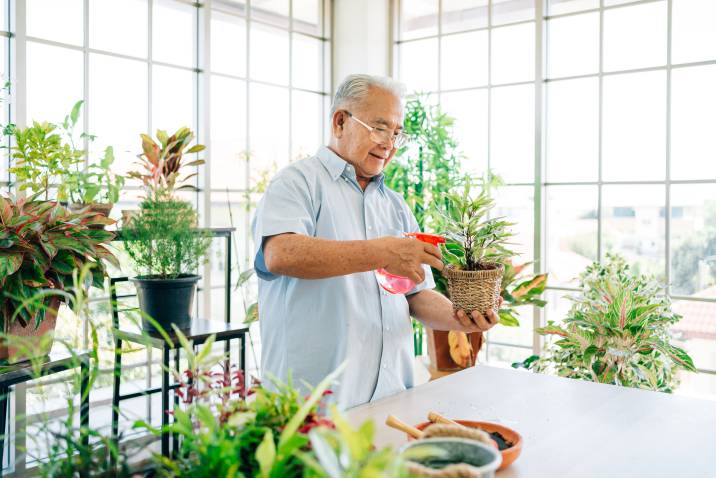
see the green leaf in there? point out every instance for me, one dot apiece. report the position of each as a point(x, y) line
point(9, 263)
point(507, 318)
point(266, 454)
point(252, 314)
point(196, 148)
point(325, 454)
point(75, 114)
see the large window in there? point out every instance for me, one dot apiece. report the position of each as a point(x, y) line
point(603, 135)
point(249, 77)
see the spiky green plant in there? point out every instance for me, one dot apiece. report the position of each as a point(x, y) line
point(616, 332)
point(474, 240)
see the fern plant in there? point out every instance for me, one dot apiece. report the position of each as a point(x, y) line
point(616, 332)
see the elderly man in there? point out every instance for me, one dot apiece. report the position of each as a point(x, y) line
point(323, 226)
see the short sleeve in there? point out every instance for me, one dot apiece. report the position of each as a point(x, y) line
point(285, 207)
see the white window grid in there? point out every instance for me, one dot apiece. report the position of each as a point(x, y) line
point(540, 82)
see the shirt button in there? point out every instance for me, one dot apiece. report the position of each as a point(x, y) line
point(370, 228)
point(387, 329)
point(385, 367)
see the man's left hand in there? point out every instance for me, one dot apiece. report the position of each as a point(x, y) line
point(477, 322)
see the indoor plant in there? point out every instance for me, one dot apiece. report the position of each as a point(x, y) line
point(167, 249)
point(475, 250)
point(616, 332)
point(162, 238)
point(44, 154)
point(41, 244)
point(95, 187)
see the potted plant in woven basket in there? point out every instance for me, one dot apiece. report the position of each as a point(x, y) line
point(475, 250)
point(41, 245)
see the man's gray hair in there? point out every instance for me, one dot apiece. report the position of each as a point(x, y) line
point(355, 88)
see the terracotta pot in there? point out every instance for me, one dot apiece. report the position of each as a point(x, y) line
point(33, 346)
point(439, 349)
point(475, 290)
point(509, 455)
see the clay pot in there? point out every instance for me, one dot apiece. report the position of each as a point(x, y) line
point(33, 345)
point(509, 455)
point(439, 350)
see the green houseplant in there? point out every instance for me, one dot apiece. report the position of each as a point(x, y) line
point(95, 187)
point(41, 244)
point(162, 239)
point(616, 332)
point(476, 248)
point(44, 154)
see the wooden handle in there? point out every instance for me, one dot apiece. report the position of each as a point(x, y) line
point(437, 418)
point(394, 422)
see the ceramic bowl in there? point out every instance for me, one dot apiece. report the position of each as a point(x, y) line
point(441, 452)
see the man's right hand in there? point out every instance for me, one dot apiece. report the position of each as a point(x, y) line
point(406, 256)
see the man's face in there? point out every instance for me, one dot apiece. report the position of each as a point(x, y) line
point(381, 110)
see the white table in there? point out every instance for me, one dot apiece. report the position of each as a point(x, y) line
point(570, 428)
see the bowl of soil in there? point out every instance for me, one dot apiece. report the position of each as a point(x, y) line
point(449, 457)
point(508, 441)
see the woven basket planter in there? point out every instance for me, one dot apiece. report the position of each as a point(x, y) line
point(474, 290)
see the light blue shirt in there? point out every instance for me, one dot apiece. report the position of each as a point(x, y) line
point(311, 326)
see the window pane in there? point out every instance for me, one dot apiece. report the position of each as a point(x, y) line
point(307, 60)
point(108, 27)
point(269, 54)
point(503, 356)
point(307, 124)
point(693, 240)
point(118, 119)
point(56, 20)
point(173, 32)
point(623, 48)
point(521, 335)
point(271, 11)
point(418, 18)
point(512, 134)
point(228, 44)
point(700, 385)
point(307, 16)
point(634, 225)
point(509, 11)
point(558, 304)
point(696, 332)
point(571, 232)
point(173, 99)
point(608, 3)
point(513, 54)
point(268, 129)
point(228, 133)
point(418, 65)
point(461, 15)
point(634, 123)
point(572, 130)
point(43, 82)
point(516, 204)
point(693, 25)
point(573, 45)
point(693, 122)
point(461, 70)
point(469, 109)
point(556, 7)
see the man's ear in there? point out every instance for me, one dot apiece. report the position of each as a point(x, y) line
point(338, 122)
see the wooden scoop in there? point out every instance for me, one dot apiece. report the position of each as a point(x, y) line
point(435, 417)
point(394, 422)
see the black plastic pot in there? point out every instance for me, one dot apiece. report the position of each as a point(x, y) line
point(167, 301)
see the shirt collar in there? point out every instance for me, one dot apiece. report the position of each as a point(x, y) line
point(337, 167)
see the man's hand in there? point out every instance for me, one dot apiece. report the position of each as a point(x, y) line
point(405, 256)
point(477, 322)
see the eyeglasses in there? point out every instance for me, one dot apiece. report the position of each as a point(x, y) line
point(384, 136)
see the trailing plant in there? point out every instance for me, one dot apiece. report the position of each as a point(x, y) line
point(163, 241)
point(44, 154)
point(41, 244)
point(161, 163)
point(474, 241)
point(616, 332)
point(95, 183)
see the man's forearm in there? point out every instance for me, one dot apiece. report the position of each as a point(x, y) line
point(433, 310)
point(306, 257)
